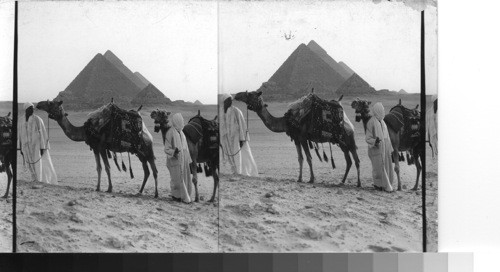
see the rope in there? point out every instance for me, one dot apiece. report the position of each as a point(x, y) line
point(246, 139)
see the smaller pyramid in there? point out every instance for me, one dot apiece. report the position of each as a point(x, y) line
point(150, 96)
point(142, 78)
point(402, 92)
point(346, 68)
point(197, 102)
point(329, 60)
point(355, 85)
point(118, 63)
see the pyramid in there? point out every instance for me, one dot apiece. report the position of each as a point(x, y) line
point(197, 102)
point(355, 85)
point(124, 69)
point(348, 69)
point(329, 60)
point(96, 84)
point(301, 70)
point(150, 96)
point(142, 78)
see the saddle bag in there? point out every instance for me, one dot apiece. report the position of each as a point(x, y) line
point(5, 133)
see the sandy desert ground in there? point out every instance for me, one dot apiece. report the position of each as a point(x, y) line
point(275, 213)
point(72, 217)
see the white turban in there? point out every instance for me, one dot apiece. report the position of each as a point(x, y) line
point(226, 96)
point(178, 122)
point(378, 111)
point(27, 105)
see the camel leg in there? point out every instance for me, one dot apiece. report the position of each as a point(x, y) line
point(98, 168)
point(107, 168)
point(309, 159)
point(301, 159)
point(419, 170)
point(9, 179)
point(348, 164)
point(155, 174)
point(146, 173)
point(216, 180)
point(395, 157)
point(356, 162)
point(193, 152)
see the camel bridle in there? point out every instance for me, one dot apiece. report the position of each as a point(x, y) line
point(255, 103)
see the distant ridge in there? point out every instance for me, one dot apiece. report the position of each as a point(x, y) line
point(97, 83)
point(300, 71)
point(124, 69)
point(150, 96)
point(329, 60)
point(355, 85)
point(142, 78)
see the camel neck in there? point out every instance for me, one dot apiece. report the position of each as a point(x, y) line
point(76, 134)
point(272, 123)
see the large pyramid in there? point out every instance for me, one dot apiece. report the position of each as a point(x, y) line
point(124, 69)
point(150, 96)
point(329, 60)
point(355, 85)
point(301, 70)
point(97, 83)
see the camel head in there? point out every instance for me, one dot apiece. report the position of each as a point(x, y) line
point(361, 107)
point(253, 100)
point(160, 118)
point(53, 108)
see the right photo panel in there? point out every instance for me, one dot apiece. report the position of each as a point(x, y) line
point(319, 115)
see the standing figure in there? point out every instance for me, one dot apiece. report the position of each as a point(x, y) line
point(380, 149)
point(235, 140)
point(34, 143)
point(178, 160)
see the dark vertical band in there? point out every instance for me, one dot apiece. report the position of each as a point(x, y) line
point(422, 130)
point(14, 136)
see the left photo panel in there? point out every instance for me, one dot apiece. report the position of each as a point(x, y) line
point(118, 129)
point(7, 152)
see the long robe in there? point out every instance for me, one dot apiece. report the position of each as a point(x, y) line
point(32, 138)
point(382, 169)
point(232, 131)
point(180, 174)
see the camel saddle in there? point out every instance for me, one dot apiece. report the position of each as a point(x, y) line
point(5, 133)
point(199, 127)
point(123, 128)
point(324, 119)
point(407, 121)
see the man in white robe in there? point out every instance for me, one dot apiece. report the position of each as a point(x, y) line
point(380, 149)
point(178, 160)
point(235, 140)
point(34, 143)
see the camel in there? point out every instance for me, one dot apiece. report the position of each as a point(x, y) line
point(363, 114)
point(6, 156)
point(198, 152)
point(78, 134)
point(255, 103)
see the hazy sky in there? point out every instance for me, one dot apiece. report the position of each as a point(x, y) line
point(172, 44)
point(6, 49)
point(381, 42)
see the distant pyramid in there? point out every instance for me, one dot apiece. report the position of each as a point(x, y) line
point(97, 83)
point(142, 78)
point(150, 96)
point(348, 69)
point(300, 71)
point(197, 102)
point(402, 92)
point(355, 85)
point(329, 60)
point(124, 69)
